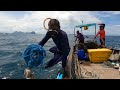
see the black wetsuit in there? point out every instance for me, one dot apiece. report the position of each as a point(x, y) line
point(61, 50)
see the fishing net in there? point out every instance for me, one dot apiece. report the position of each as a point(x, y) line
point(91, 45)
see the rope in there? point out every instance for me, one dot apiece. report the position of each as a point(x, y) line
point(34, 56)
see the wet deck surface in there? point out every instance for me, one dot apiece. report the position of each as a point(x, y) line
point(98, 71)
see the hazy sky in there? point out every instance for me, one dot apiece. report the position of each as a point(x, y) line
point(27, 21)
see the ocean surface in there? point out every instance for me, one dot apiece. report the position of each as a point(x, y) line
point(12, 46)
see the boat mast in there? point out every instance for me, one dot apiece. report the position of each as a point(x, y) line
point(81, 27)
point(95, 29)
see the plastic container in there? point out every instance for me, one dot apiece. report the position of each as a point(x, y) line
point(99, 55)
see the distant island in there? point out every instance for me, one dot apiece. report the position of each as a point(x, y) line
point(19, 32)
point(33, 32)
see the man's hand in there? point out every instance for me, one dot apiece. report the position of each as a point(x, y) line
point(93, 40)
point(87, 37)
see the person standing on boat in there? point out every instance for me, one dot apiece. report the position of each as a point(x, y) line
point(101, 32)
point(60, 38)
point(80, 37)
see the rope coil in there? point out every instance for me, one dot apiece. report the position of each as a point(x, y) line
point(34, 55)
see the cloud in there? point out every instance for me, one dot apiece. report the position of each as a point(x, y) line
point(117, 25)
point(107, 15)
point(33, 20)
point(112, 12)
point(6, 23)
point(104, 14)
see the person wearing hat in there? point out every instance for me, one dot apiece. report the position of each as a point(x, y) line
point(60, 38)
point(101, 32)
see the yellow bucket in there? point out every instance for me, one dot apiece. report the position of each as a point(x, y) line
point(99, 55)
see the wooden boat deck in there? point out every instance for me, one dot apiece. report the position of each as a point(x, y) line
point(98, 71)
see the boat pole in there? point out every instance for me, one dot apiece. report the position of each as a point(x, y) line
point(95, 29)
point(81, 27)
point(74, 35)
point(81, 30)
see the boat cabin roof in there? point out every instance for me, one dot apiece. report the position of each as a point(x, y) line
point(84, 25)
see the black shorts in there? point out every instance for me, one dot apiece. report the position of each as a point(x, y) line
point(102, 42)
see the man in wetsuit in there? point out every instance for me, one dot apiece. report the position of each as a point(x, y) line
point(101, 32)
point(60, 38)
